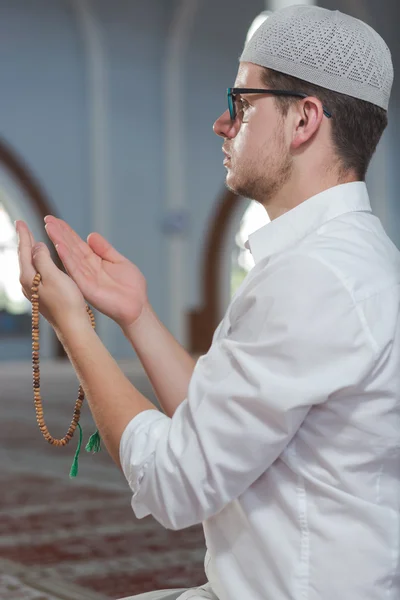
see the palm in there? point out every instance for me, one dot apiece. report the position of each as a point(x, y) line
point(108, 280)
point(117, 290)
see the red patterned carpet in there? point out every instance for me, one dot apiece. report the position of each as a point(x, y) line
point(62, 533)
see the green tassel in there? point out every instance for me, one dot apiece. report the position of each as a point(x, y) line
point(74, 468)
point(94, 443)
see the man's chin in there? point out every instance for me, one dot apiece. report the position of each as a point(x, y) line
point(231, 189)
point(231, 182)
point(235, 186)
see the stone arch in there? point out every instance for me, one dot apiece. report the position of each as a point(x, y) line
point(203, 321)
point(40, 205)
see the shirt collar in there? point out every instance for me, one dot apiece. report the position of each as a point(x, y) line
point(297, 223)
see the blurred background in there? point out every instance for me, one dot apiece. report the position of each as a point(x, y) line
point(106, 114)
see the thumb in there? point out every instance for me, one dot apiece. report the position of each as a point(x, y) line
point(42, 260)
point(103, 248)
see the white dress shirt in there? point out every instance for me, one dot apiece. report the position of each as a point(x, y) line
point(287, 447)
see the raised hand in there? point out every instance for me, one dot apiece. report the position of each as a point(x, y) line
point(108, 280)
point(61, 301)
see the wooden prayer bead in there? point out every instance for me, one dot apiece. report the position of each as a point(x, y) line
point(36, 374)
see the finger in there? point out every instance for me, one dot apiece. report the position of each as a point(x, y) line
point(81, 271)
point(72, 255)
point(32, 238)
point(62, 232)
point(54, 233)
point(43, 262)
point(73, 252)
point(80, 262)
point(103, 248)
point(27, 270)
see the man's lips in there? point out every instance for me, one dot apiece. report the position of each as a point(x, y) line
point(227, 156)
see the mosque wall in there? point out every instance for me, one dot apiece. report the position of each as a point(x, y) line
point(46, 117)
point(383, 175)
point(113, 116)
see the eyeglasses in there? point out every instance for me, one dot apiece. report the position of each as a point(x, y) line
point(233, 92)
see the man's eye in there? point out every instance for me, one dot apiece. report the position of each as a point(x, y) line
point(244, 104)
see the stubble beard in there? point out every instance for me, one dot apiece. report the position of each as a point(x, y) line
point(263, 180)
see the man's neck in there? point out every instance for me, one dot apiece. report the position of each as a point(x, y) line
point(294, 192)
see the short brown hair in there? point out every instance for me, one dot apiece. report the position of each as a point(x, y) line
point(357, 125)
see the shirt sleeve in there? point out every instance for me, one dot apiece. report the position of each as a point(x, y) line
point(296, 337)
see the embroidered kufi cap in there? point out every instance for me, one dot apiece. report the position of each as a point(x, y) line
point(327, 48)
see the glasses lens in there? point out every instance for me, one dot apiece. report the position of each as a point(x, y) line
point(231, 105)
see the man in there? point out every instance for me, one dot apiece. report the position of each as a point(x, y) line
point(284, 439)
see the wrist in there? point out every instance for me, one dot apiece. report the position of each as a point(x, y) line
point(73, 327)
point(141, 322)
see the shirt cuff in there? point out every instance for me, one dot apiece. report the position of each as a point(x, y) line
point(137, 449)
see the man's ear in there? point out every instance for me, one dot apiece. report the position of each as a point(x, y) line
point(308, 118)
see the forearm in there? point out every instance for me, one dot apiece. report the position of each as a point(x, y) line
point(112, 399)
point(167, 364)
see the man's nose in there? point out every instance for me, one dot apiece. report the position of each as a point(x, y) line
point(225, 127)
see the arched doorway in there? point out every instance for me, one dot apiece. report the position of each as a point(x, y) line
point(225, 264)
point(202, 322)
point(254, 217)
point(14, 307)
point(21, 197)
